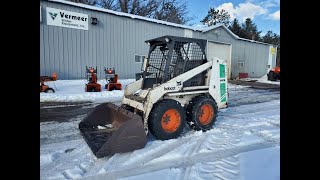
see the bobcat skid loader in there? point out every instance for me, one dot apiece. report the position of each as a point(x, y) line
point(179, 85)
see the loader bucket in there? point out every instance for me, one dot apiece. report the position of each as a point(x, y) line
point(109, 129)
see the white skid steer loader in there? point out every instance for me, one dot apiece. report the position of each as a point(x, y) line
point(179, 85)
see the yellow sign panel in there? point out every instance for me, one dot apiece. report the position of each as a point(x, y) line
point(273, 50)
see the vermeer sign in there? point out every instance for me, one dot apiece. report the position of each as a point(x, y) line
point(57, 17)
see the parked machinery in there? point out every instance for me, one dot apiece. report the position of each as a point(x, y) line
point(112, 80)
point(46, 88)
point(91, 76)
point(179, 86)
point(274, 74)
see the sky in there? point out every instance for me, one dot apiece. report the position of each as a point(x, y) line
point(264, 13)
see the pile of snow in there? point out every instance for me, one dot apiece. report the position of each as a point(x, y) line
point(264, 79)
point(74, 91)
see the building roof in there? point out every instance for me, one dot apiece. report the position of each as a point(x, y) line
point(194, 28)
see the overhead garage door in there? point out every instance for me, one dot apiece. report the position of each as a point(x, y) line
point(220, 50)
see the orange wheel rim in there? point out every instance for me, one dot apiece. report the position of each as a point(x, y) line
point(206, 114)
point(170, 120)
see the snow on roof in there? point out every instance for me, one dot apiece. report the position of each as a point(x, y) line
point(126, 14)
point(194, 28)
point(206, 29)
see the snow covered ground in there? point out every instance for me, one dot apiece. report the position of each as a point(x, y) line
point(74, 91)
point(263, 79)
point(244, 144)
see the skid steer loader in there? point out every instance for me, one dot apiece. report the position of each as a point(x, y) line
point(179, 85)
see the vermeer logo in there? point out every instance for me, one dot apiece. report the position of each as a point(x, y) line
point(68, 19)
point(68, 16)
point(53, 15)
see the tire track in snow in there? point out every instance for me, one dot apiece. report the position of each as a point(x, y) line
point(143, 158)
point(185, 173)
point(227, 168)
point(180, 162)
point(219, 169)
point(266, 135)
point(230, 168)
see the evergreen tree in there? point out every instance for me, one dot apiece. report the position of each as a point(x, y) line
point(236, 28)
point(216, 17)
point(250, 30)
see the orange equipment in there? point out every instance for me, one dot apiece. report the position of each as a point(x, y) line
point(112, 80)
point(274, 74)
point(92, 85)
point(46, 88)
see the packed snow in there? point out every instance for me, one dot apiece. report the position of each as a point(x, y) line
point(74, 91)
point(244, 144)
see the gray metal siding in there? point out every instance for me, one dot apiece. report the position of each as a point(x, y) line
point(113, 42)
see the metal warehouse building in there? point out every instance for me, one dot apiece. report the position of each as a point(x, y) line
point(73, 36)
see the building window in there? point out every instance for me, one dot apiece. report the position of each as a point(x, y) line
point(138, 58)
point(241, 64)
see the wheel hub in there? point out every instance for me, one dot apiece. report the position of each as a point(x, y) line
point(166, 119)
point(206, 114)
point(170, 120)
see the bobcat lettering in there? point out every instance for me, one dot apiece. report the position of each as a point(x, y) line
point(169, 88)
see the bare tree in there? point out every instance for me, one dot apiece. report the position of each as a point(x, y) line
point(107, 4)
point(167, 10)
point(173, 11)
point(138, 7)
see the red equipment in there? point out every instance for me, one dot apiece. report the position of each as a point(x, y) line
point(112, 80)
point(46, 88)
point(92, 85)
point(274, 74)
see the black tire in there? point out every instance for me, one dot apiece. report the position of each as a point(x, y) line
point(271, 76)
point(194, 111)
point(92, 89)
point(155, 119)
point(113, 88)
point(49, 90)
